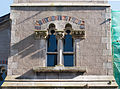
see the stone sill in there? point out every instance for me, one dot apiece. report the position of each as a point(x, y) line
point(59, 4)
point(60, 69)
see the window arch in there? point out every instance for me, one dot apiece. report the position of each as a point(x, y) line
point(68, 46)
point(60, 48)
point(51, 46)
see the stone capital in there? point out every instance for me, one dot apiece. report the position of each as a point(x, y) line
point(59, 34)
point(41, 34)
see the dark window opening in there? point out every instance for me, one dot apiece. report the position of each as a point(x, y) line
point(52, 25)
point(51, 60)
point(68, 47)
point(68, 60)
point(52, 47)
point(68, 25)
point(68, 43)
point(52, 43)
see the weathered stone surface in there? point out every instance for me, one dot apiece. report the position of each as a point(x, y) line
point(59, 69)
point(85, 82)
point(46, 1)
point(33, 52)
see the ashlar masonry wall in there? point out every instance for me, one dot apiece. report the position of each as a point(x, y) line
point(93, 52)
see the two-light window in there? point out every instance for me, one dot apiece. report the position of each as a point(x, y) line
point(60, 49)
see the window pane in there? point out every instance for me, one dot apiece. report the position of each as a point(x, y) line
point(68, 60)
point(52, 43)
point(51, 60)
point(68, 43)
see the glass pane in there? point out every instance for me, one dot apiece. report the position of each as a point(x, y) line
point(68, 43)
point(68, 60)
point(52, 43)
point(51, 60)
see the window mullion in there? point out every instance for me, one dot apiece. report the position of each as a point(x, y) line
point(60, 52)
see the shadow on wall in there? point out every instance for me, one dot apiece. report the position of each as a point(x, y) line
point(29, 47)
point(35, 49)
point(32, 75)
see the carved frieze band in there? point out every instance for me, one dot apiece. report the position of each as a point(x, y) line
point(43, 34)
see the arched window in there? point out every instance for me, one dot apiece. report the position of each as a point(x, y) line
point(68, 47)
point(51, 47)
point(60, 48)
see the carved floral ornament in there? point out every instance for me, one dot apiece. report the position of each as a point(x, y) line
point(43, 34)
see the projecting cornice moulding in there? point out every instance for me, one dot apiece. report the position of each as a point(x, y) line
point(60, 4)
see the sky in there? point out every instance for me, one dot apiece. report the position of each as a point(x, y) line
point(5, 6)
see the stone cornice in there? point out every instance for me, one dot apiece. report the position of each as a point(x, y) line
point(60, 4)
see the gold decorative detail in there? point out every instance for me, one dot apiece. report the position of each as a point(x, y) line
point(59, 34)
point(41, 34)
point(78, 33)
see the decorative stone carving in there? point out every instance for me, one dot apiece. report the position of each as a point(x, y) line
point(59, 34)
point(78, 34)
point(68, 29)
point(52, 31)
point(41, 34)
point(82, 26)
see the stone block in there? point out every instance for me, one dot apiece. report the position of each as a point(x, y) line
point(109, 46)
point(107, 65)
point(13, 65)
point(105, 40)
point(17, 71)
point(14, 52)
point(110, 58)
point(107, 52)
point(14, 39)
point(101, 59)
point(79, 59)
point(110, 71)
point(9, 71)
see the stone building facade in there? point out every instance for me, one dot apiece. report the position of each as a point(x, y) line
point(36, 22)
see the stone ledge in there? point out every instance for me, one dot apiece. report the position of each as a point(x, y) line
point(81, 78)
point(91, 81)
point(59, 4)
point(59, 84)
point(60, 69)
